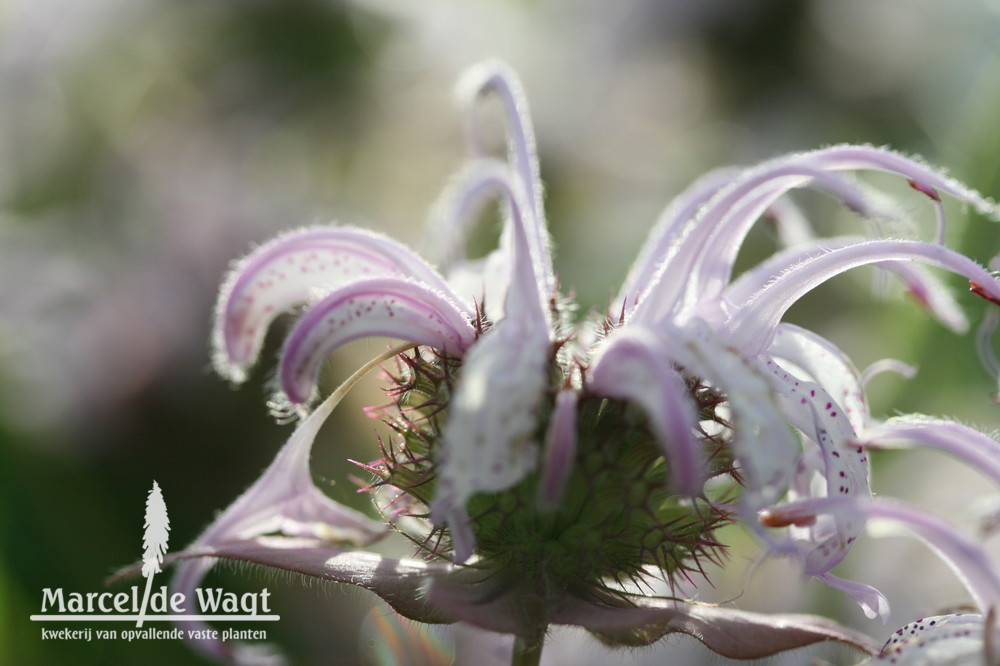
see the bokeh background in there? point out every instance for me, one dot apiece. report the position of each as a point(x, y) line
point(144, 144)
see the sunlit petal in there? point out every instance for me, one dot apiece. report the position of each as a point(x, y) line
point(631, 367)
point(298, 267)
point(388, 307)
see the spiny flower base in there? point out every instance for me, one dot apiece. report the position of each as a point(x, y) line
point(616, 520)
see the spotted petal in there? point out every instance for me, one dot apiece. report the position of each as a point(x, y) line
point(388, 307)
point(732, 633)
point(296, 268)
point(630, 366)
point(959, 639)
point(967, 444)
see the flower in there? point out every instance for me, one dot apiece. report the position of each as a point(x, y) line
point(549, 470)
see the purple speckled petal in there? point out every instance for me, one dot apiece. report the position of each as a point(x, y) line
point(967, 559)
point(294, 268)
point(846, 468)
point(752, 324)
point(973, 447)
point(630, 366)
point(959, 639)
point(872, 602)
point(388, 307)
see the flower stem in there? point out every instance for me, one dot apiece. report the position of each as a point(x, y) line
point(527, 651)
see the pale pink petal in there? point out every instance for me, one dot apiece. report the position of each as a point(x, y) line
point(967, 559)
point(284, 500)
point(732, 633)
point(495, 77)
point(941, 640)
point(752, 324)
point(873, 603)
point(631, 366)
point(560, 449)
point(388, 307)
point(965, 443)
point(294, 268)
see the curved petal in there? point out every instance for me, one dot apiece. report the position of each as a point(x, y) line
point(293, 268)
point(530, 281)
point(701, 261)
point(923, 286)
point(489, 442)
point(830, 367)
point(283, 500)
point(959, 639)
point(668, 230)
point(388, 307)
point(560, 449)
point(496, 77)
point(630, 366)
point(732, 633)
point(752, 325)
point(846, 468)
point(873, 603)
point(970, 563)
point(971, 446)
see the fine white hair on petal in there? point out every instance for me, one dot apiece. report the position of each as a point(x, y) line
point(752, 324)
point(630, 366)
point(489, 443)
point(299, 267)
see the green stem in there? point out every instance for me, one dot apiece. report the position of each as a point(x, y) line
point(527, 651)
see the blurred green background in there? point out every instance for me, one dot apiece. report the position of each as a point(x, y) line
point(144, 144)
